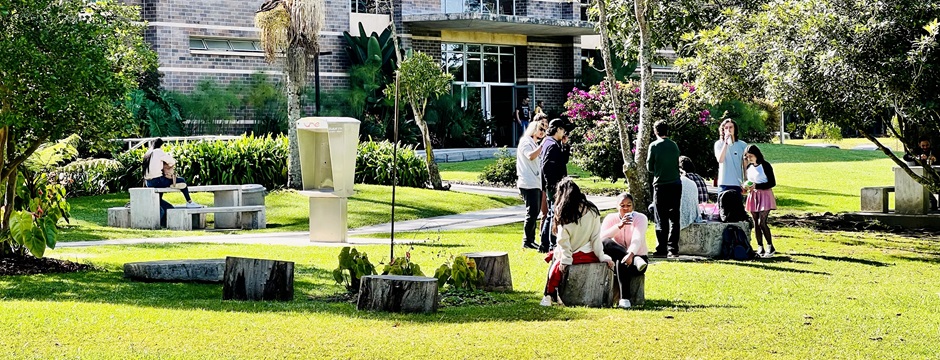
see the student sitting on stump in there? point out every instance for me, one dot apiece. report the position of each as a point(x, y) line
point(577, 226)
point(624, 234)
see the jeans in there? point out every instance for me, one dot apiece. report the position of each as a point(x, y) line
point(163, 182)
point(548, 238)
point(666, 201)
point(624, 273)
point(723, 188)
point(533, 207)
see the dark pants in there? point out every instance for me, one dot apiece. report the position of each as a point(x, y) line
point(723, 188)
point(624, 273)
point(533, 206)
point(163, 182)
point(666, 200)
point(547, 237)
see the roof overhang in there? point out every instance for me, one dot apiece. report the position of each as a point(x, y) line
point(504, 24)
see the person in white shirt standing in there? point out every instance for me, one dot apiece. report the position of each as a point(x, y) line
point(729, 151)
point(528, 171)
point(154, 162)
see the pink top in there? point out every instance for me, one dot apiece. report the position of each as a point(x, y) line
point(629, 233)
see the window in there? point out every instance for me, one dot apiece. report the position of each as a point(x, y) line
point(211, 44)
point(369, 7)
point(477, 63)
point(496, 7)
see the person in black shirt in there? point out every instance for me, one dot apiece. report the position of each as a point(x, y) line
point(522, 115)
point(922, 152)
point(555, 155)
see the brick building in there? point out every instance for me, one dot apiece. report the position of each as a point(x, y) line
point(500, 51)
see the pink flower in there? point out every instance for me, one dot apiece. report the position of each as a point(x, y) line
point(673, 112)
point(636, 90)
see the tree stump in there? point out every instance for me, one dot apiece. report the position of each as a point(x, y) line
point(495, 267)
point(395, 293)
point(636, 288)
point(258, 279)
point(590, 285)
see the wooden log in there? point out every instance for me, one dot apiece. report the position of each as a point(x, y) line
point(590, 285)
point(258, 279)
point(394, 293)
point(636, 291)
point(495, 268)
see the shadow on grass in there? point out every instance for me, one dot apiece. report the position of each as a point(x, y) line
point(844, 259)
point(764, 266)
point(785, 202)
point(662, 305)
point(109, 287)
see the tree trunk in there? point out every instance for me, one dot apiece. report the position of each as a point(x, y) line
point(395, 293)
point(257, 279)
point(294, 177)
point(434, 175)
point(637, 175)
point(590, 285)
point(495, 268)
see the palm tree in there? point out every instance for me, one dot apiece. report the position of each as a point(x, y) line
point(291, 28)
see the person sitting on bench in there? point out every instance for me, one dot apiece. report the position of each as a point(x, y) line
point(157, 166)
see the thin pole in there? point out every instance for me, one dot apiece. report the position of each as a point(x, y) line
point(394, 170)
point(316, 73)
point(782, 128)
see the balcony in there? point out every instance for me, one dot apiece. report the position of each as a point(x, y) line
point(497, 16)
point(498, 7)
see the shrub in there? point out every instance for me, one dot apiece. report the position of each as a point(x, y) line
point(90, 177)
point(596, 139)
point(823, 130)
point(403, 266)
point(463, 274)
point(452, 125)
point(353, 265)
point(502, 171)
point(374, 165)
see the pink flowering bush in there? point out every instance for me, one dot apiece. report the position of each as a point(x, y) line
point(596, 140)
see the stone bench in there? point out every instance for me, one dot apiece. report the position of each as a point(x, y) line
point(145, 204)
point(253, 217)
point(875, 198)
point(205, 270)
point(704, 239)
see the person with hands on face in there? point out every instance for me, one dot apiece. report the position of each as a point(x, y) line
point(555, 155)
point(922, 152)
point(729, 151)
point(577, 225)
point(624, 240)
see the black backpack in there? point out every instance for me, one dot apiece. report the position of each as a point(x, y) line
point(735, 244)
point(731, 207)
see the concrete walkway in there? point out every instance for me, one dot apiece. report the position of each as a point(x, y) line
point(470, 220)
point(465, 154)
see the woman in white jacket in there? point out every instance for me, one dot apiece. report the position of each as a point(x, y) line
point(577, 226)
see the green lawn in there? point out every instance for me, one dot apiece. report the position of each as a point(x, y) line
point(287, 210)
point(808, 179)
point(831, 295)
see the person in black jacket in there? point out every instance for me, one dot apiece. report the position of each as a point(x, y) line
point(922, 152)
point(555, 155)
point(760, 197)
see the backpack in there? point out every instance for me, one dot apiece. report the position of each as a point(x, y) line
point(731, 207)
point(735, 244)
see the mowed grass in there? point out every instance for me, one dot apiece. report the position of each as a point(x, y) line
point(828, 295)
point(808, 179)
point(287, 210)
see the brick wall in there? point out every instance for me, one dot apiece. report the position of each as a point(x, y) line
point(551, 9)
point(550, 69)
point(409, 7)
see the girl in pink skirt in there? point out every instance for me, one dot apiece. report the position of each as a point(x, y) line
point(760, 197)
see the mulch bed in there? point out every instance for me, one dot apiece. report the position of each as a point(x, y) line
point(837, 222)
point(29, 265)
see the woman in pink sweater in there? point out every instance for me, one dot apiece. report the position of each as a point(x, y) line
point(624, 240)
point(577, 226)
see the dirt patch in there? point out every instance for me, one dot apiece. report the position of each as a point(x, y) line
point(838, 222)
point(30, 265)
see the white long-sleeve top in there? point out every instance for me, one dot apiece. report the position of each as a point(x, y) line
point(155, 169)
point(582, 236)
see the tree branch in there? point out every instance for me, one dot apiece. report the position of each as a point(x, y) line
point(11, 166)
point(902, 164)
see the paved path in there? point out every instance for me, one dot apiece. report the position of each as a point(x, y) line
point(470, 220)
point(465, 154)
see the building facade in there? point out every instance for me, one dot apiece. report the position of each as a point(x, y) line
point(499, 51)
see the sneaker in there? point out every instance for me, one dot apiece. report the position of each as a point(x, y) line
point(178, 186)
point(546, 301)
point(624, 304)
point(672, 255)
point(771, 252)
point(530, 245)
point(760, 251)
point(658, 255)
point(193, 204)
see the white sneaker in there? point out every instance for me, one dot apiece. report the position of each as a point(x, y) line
point(624, 304)
point(546, 301)
point(178, 186)
point(193, 204)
